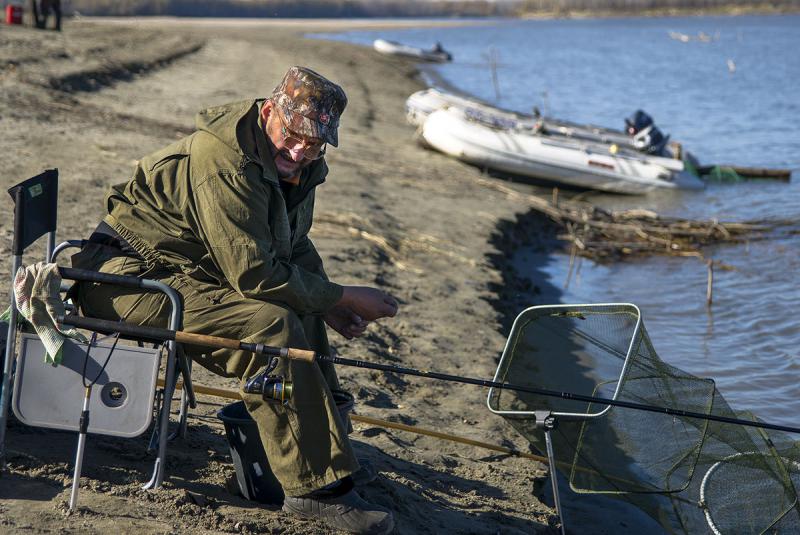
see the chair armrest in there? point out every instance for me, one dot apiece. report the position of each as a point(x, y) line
point(86, 275)
point(74, 244)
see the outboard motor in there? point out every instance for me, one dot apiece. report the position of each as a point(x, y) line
point(439, 49)
point(637, 122)
point(646, 136)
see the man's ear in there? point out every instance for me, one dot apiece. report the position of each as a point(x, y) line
point(266, 109)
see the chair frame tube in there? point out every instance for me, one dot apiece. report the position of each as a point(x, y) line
point(8, 365)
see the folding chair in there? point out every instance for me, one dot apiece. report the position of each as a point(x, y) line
point(35, 209)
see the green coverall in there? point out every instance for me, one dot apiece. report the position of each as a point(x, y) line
point(208, 217)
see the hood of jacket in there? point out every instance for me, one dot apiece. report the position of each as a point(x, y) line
point(233, 124)
point(237, 126)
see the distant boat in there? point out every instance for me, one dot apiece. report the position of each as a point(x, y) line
point(678, 36)
point(642, 134)
point(393, 48)
point(703, 37)
point(573, 162)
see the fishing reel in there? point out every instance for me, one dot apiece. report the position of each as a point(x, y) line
point(270, 387)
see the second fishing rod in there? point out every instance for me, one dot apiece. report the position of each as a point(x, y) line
point(276, 388)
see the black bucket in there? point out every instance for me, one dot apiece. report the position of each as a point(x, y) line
point(253, 473)
point(344, 403)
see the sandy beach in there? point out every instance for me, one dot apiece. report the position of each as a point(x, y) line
point(95, 98)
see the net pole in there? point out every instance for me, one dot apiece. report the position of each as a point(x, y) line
point(551, 458)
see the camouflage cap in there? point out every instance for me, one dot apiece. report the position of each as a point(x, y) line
point(310, 104)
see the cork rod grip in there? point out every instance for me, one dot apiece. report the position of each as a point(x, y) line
point(206, 340)
point(301, 354)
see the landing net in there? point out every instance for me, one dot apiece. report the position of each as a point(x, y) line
point(690, 475)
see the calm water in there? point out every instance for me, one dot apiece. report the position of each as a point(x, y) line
point(600, 71)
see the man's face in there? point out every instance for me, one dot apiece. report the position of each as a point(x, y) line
point(289, 150)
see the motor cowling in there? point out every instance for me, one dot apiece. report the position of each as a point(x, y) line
point(646, 135)
point(637, 122)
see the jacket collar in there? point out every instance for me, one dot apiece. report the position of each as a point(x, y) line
point(238, 125)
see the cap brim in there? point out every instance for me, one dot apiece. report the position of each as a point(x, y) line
point(310, 128)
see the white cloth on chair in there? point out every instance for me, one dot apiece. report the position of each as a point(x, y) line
point(37, 296)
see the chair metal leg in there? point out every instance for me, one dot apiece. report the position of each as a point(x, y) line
point(187, 397)
point(158, 405)
point(176, 316)
point(182, 418)
point(163, 421)
point(76, 475)
point(8, 366)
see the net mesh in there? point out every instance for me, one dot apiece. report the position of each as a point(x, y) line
point(690, 475)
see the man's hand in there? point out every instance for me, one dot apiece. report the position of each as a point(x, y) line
point(368, 303)
point(345, 322)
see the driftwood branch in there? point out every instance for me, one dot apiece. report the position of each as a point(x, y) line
point(605, 235)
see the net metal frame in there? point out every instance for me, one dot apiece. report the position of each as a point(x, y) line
point(531, 313)
point(690, 475)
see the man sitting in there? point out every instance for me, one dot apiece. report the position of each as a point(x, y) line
point(222, 216)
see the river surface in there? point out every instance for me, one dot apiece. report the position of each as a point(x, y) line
point(731, 99)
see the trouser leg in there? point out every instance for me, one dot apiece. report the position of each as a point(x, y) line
point(305, 441)
point(315, 330)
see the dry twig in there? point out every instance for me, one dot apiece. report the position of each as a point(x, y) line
point(602, 235)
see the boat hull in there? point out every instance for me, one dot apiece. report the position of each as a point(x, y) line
point(397, 49)
point(422, 103)
point(561, 161)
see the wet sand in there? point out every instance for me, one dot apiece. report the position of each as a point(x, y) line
point(97, 97)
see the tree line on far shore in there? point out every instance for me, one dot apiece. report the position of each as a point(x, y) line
point(406, 8)
point(296, 8)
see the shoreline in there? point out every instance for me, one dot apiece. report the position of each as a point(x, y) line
point(412, 221)
point(317, 24)
point(375, 23)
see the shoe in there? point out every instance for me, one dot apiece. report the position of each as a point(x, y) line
point(367, 473)
point(348, 512)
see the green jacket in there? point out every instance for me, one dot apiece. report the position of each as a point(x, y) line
point(210, 206)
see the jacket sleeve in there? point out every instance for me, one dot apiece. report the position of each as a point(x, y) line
point(234, 220)
point(305, 256)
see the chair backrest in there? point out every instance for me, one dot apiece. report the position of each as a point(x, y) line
point(35, 214)
point(35, 209)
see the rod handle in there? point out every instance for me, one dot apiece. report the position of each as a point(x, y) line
point(301, 354)
point(206, 340)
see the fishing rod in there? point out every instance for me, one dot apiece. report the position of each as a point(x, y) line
point(282, 392)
